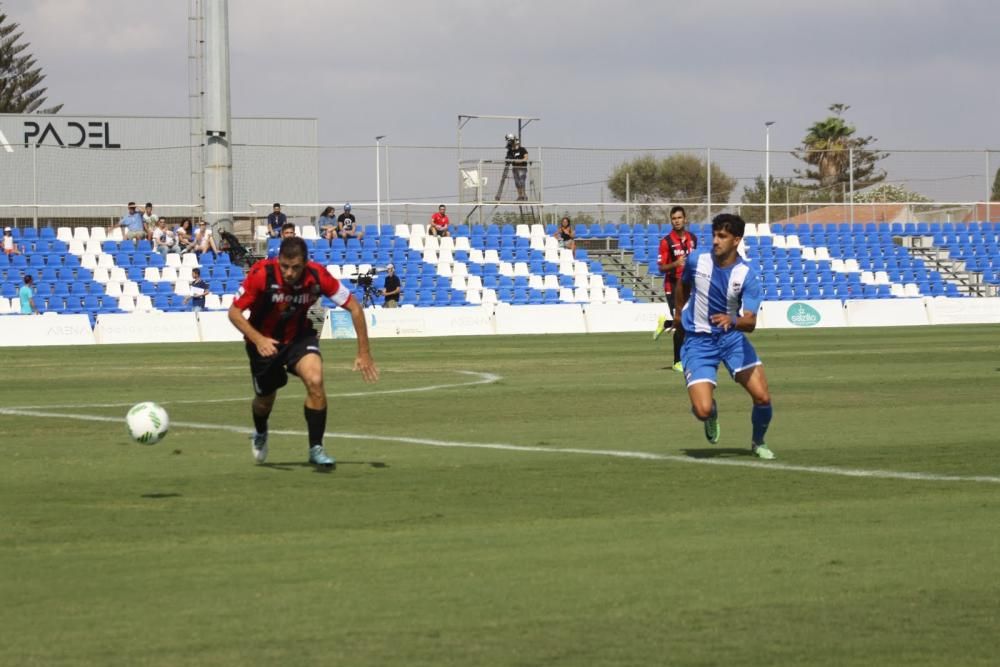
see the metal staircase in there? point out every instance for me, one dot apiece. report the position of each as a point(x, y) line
point(647, 287)
point(938, 259)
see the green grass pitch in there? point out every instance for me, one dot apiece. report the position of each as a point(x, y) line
point(597, 528)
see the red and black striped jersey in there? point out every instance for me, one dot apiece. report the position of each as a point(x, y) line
point(673, 246)
point(280, 311)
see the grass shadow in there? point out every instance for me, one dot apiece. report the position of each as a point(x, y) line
point(292, 465)
point(716, 452)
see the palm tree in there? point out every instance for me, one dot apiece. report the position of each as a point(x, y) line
point(827, 147)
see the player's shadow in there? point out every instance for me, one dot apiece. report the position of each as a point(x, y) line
point(716, 452)
point(292, 465)
point(160, 495)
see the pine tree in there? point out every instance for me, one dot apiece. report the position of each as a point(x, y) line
point(20, 77)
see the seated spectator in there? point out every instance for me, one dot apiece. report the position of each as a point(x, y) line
point(185, 235)
point(204, 241)
point(439, 223)
point(275, 221)
point(392, 289)
point(287, 232)
point(9, 247)
point(150, 221)
point(164, 239)
point(327, 224)
point(347, 225)
point(199, 288)
point(133, 228)
point(565, 234)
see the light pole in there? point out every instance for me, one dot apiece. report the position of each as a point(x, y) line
point(767, 172)
point(378, 182)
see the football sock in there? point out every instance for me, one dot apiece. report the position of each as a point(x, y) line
point(678, 342)
point(260, 422)
point(760, 418)
point(316, 423)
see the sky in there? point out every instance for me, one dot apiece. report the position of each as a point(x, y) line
point(918, 74)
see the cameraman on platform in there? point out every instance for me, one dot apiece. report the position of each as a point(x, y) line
point(392, 288)
point(517, 162)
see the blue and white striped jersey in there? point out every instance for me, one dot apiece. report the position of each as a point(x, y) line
point(713, 290)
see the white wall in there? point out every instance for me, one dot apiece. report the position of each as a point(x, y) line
point(157, 327)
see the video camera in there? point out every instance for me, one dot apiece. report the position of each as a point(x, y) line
point(511, 141)
point(366, 281)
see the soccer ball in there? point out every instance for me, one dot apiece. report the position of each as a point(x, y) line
point(147, 423)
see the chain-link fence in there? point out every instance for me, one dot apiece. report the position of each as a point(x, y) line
point(405, 183)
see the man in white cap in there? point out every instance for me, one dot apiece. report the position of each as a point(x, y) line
point(392, 288)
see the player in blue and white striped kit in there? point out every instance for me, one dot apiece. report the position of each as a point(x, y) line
point(718, 295)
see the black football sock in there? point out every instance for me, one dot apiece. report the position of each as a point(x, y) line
point(260, 422)
point(316, 423)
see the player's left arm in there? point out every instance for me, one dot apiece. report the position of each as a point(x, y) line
point(341, 296)
point(750, 301)
point(363, 362)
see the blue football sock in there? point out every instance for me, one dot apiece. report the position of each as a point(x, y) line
point(761, 419)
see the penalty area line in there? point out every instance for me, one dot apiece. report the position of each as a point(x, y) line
point(613, 453)
point(482, 378)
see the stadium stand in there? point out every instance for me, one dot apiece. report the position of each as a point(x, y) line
point(85, 270)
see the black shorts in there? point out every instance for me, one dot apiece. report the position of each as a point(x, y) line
point(271, 373)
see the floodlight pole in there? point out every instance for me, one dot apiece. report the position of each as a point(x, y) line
point(218, 168)
point(378, 182)
point(767, 172)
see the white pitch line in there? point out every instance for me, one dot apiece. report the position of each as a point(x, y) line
point(622, 454)
point(484, 378)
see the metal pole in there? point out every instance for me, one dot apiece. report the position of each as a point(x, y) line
point(378, 185)
point(628, 200)
point(989, 192)
point(708, 185)
point(767, 172)
point(34, 182)
point(388, 197)
point(850, 162)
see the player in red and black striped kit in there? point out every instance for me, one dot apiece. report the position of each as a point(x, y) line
point(280, 338)
point(674, 250)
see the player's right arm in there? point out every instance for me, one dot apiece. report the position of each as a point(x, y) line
point(252, 285)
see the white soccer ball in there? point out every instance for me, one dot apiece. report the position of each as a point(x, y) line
point(147, 423)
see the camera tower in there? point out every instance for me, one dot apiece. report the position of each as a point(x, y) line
point(486, 178)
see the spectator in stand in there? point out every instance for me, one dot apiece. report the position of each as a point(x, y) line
point(164, 239)
point(27, 295)
point(150, 221)
point(392, 289)
point(287, 232)
point(204, 241)
point(565, 235)
point(275, 221)
point(185, 236)
point(9, 247)
point(347, 225)
point(199, 288)
point(439, 223)
point(132, 225)
point(327, 224)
